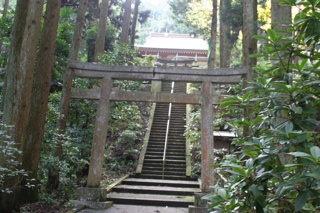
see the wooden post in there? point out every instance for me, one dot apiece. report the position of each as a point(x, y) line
point(207, 157)
point(99, 138)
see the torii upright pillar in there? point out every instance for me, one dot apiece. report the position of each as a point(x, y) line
point(207, 154)
point(100, 135)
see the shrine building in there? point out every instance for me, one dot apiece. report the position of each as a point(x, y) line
point(170, 48)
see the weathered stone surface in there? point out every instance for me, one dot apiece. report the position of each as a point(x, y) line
point(157, 97)
point(89, 194)
point(200, 202)
point(77, 207)
point(100, 135)
point(224, 75)
point(207, 154)
point(154, 70)
point(93, 205)
point(195, 209)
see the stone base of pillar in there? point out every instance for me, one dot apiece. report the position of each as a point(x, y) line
point(89, 194)
point(198, 202)
point(196, 209)
point(93, 198)
point(82, 204)
point(200, 205)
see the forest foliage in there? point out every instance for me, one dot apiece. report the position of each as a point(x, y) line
point(275, 168)
point(126, 121)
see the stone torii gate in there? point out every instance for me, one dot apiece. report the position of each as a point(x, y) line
point(105, 94)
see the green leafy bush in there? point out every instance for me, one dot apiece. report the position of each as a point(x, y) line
point(278, 165)
point(123, 154)
point(5, 31)
point(70, 165)
point(10, 166)
point(76, 144)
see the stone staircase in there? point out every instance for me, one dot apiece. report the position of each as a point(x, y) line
point(154, 192)
point(175, 163)
point(161, 184)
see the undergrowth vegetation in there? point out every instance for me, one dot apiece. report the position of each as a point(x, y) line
point(277, 166)
point(126, 130)
point(12, 167)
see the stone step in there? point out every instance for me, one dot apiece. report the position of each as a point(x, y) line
point(158, 137)
point(173, 144)
point(179, 167)
point(176, 142)
point(160, 141)
point(172, 127)
point(165, 110)
point(168, 168)
point(168, 157)
point(151, 199)
point(154, 148)
point(172, 134)
point(175, 168)
point(152, 157)
point(160, 172)
point(176, 148)
point(165, 177)
point(168, 162)
point(176, 137)
point(162, 190)
point(176, 145)
point(163, 122)
point(177, 123)
point(168, 153)
point(174, 157)
point(149, 163)
point(177, 113)
point(159, 182)
point(179, 140)
point(170, 149)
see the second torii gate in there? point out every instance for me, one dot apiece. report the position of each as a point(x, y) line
point(105, 94)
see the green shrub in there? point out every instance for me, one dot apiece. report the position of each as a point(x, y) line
point(10, 166)
point(277, 168)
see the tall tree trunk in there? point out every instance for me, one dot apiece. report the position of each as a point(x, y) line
point(53, 176)
point(92, 17)
point(249, 30)
point(134, 22)
point(4, 15)
point(249, 44)
point(18, 84)
point(5, 8)
point(101, 34)
point(280, 16)
point(77, 36)
point(280, 20)
point(126, 22)
point(39, 99)
point(225, 41)
point(213, 39)
point(93, 8)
